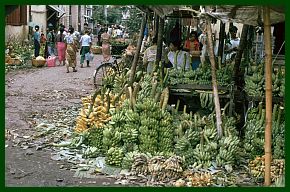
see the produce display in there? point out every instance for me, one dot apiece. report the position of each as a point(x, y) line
point(135, 129)
point(257, 168)
point(201, 76)
point(255, 132)
point(255, 81)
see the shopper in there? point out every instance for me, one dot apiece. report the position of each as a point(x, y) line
point(61, 46)
point(71, 49)
point(86, 43)
point(36, 38)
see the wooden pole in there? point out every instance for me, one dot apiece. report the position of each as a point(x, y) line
point(241, 48)
point(268, 73)
point(214, 83)
point(159, 44)
point(138, 48)
point(221, 39)
point(156, 26)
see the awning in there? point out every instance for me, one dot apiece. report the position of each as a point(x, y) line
point(251, 15)
point(60, 11)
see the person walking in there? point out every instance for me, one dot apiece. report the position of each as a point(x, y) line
point(50, 37)
point(71, 49)
point(36, 37)
point(61, 46)
point(86, 43)
point(105, 39)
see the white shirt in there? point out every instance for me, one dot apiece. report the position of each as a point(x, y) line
point(85, 40)
point(119, 32)
point(181, 57)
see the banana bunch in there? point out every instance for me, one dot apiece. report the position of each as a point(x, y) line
point(227, 151)
point(140, 164)
point(95, 138)
point(254, 131)
point(202, 158)
point(173, 167)
point(120, 81)
point(111, 137)
point(254, 84)
point(156, 167)
point(162, 168)
point(129, 159)
point(278, 132)
point(224, 75)
point(96, 114)
point(198, 179)
point(114, 156)
point(257, 168)
point(206, 100)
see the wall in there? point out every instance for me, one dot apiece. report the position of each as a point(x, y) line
point(20, 32)
point(39, 16)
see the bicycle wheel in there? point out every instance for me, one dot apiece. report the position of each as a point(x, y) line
point(102, 73)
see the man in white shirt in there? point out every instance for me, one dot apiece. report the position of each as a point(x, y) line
point(119, 33)
point(178, 58)
point(86, 43)
point(232, 46)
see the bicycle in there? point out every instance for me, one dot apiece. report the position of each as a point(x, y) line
point(109, 68)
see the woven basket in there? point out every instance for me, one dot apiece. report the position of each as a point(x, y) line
point(14, 61)
point(38, 63)
point(97, 50)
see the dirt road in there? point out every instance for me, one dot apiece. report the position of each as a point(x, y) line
point(30, 92)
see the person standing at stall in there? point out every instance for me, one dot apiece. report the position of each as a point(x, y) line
point(231, 48)
point(36, 38)
point(86, 43)
point(192, 46)
point(105, 39)
point(179, 59)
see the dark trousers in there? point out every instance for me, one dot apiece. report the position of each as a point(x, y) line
point(36, 48)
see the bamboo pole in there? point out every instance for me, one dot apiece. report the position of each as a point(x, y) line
point(214, 83)
point(268, 73)
point(138, 48)
point(159, 45)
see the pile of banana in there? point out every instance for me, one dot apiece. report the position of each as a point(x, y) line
point(255, 81)
point(195, 179)
point(201, 76)
point(96, 115)
point(162, 169)
point(114, 156)
point(255, 131)
point(257, 168)
point(140, 164)
point(278, 132)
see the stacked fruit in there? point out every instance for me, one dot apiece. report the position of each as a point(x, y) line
point(94, 112)
point(114, 156)
point(195, 179)
point(257, 168)
point(255, 131)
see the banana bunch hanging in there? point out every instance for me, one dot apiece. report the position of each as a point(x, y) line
point(114, 156)
point(206, 100)
point(257, 168)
